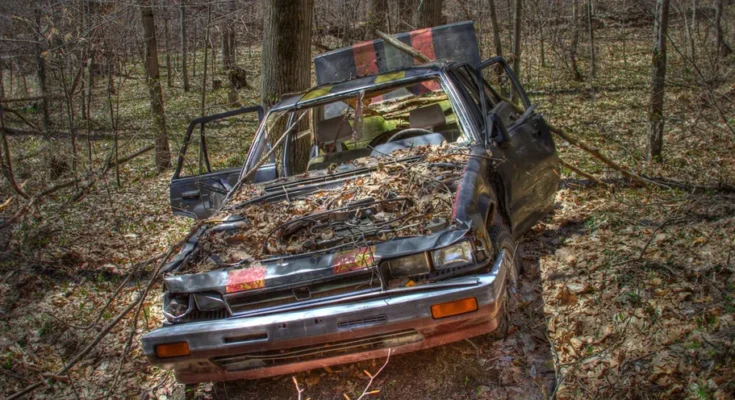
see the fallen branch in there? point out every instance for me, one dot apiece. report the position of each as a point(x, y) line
point(78, 357)
point(403, 47)
point(582, 173)
point(71, 182)
point(596, 153)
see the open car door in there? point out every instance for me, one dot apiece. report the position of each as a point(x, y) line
point(197, 189)
point(519, 136)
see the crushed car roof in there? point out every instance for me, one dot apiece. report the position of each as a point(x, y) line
point(328, 92)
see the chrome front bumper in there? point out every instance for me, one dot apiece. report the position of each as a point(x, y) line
point(293, 341)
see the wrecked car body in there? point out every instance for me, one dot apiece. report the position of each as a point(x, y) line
point(398, 236)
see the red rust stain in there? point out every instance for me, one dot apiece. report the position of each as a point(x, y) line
point(354, 260)
point(366, 62)
point(239, 280)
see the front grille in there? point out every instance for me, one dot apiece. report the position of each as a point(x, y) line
point(271, 358)
point(243, 302)
point(196, 315)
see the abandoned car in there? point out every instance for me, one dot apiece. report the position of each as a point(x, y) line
point(375, 212)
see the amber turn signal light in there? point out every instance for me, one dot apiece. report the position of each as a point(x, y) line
point(452, 308)
point(172, 350)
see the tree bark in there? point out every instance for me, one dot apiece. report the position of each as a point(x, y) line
point(575, 41)
point(693, 30)
point(163, 154)
point(658, 82)
point(517, 30)
point(496, 29)
point(722, 49)
point(184, 72)
point(41, 73)
point(428, 14)
point(591, 35)
point(169, 77)
point(286, 59)
point(228, 38)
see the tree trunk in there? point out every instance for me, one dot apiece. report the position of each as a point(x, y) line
point(41, 73)
point(591, 33)
point(377, 18)
point(693, 30)
point(228, 38)
point(517, 43)
point(204, 83)
point(163, 154)
point(286, 60)
point(496, 29)
point(169, 77)
point(184, 72)
point(658, 78)
point(575, 41)
point(722, 49)
point(428, 14)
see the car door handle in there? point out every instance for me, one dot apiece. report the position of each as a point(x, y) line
point(191, 194)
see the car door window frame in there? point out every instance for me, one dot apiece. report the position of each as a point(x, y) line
point(201, 122)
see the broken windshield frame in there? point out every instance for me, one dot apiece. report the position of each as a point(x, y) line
point(261, 145)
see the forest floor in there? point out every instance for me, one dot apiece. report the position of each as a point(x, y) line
point(626, 292)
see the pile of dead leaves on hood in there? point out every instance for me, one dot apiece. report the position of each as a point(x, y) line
point(407, 195)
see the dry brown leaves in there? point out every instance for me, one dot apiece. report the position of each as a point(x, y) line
point(425, 186)
point(636, 307)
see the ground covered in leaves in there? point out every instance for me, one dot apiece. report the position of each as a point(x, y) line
point(627, 292)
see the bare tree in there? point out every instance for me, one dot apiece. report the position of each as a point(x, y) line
point(184, 71)
point(694, 28)
point(41, 71)
point(163, 154)
point(169, 82)
point(575, 41)
point(722, 48)
point(517, 30)
point(286, 59)
point(658, 82)
point(496, 28)
point(228, 37)
point(591, 37)
point(428, 13)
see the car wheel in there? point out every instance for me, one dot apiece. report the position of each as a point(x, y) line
point(503, 240)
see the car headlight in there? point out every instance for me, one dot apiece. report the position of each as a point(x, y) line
point(453, 256)
point(177, 306)
point(415, 264)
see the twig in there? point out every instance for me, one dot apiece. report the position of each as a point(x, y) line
point(372, 378)
point(298, 389)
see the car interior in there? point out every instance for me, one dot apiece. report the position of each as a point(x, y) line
point(415, 115)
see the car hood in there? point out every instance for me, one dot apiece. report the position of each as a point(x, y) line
point(318, 224)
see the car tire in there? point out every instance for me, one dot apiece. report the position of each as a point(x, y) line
point(503, 240)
